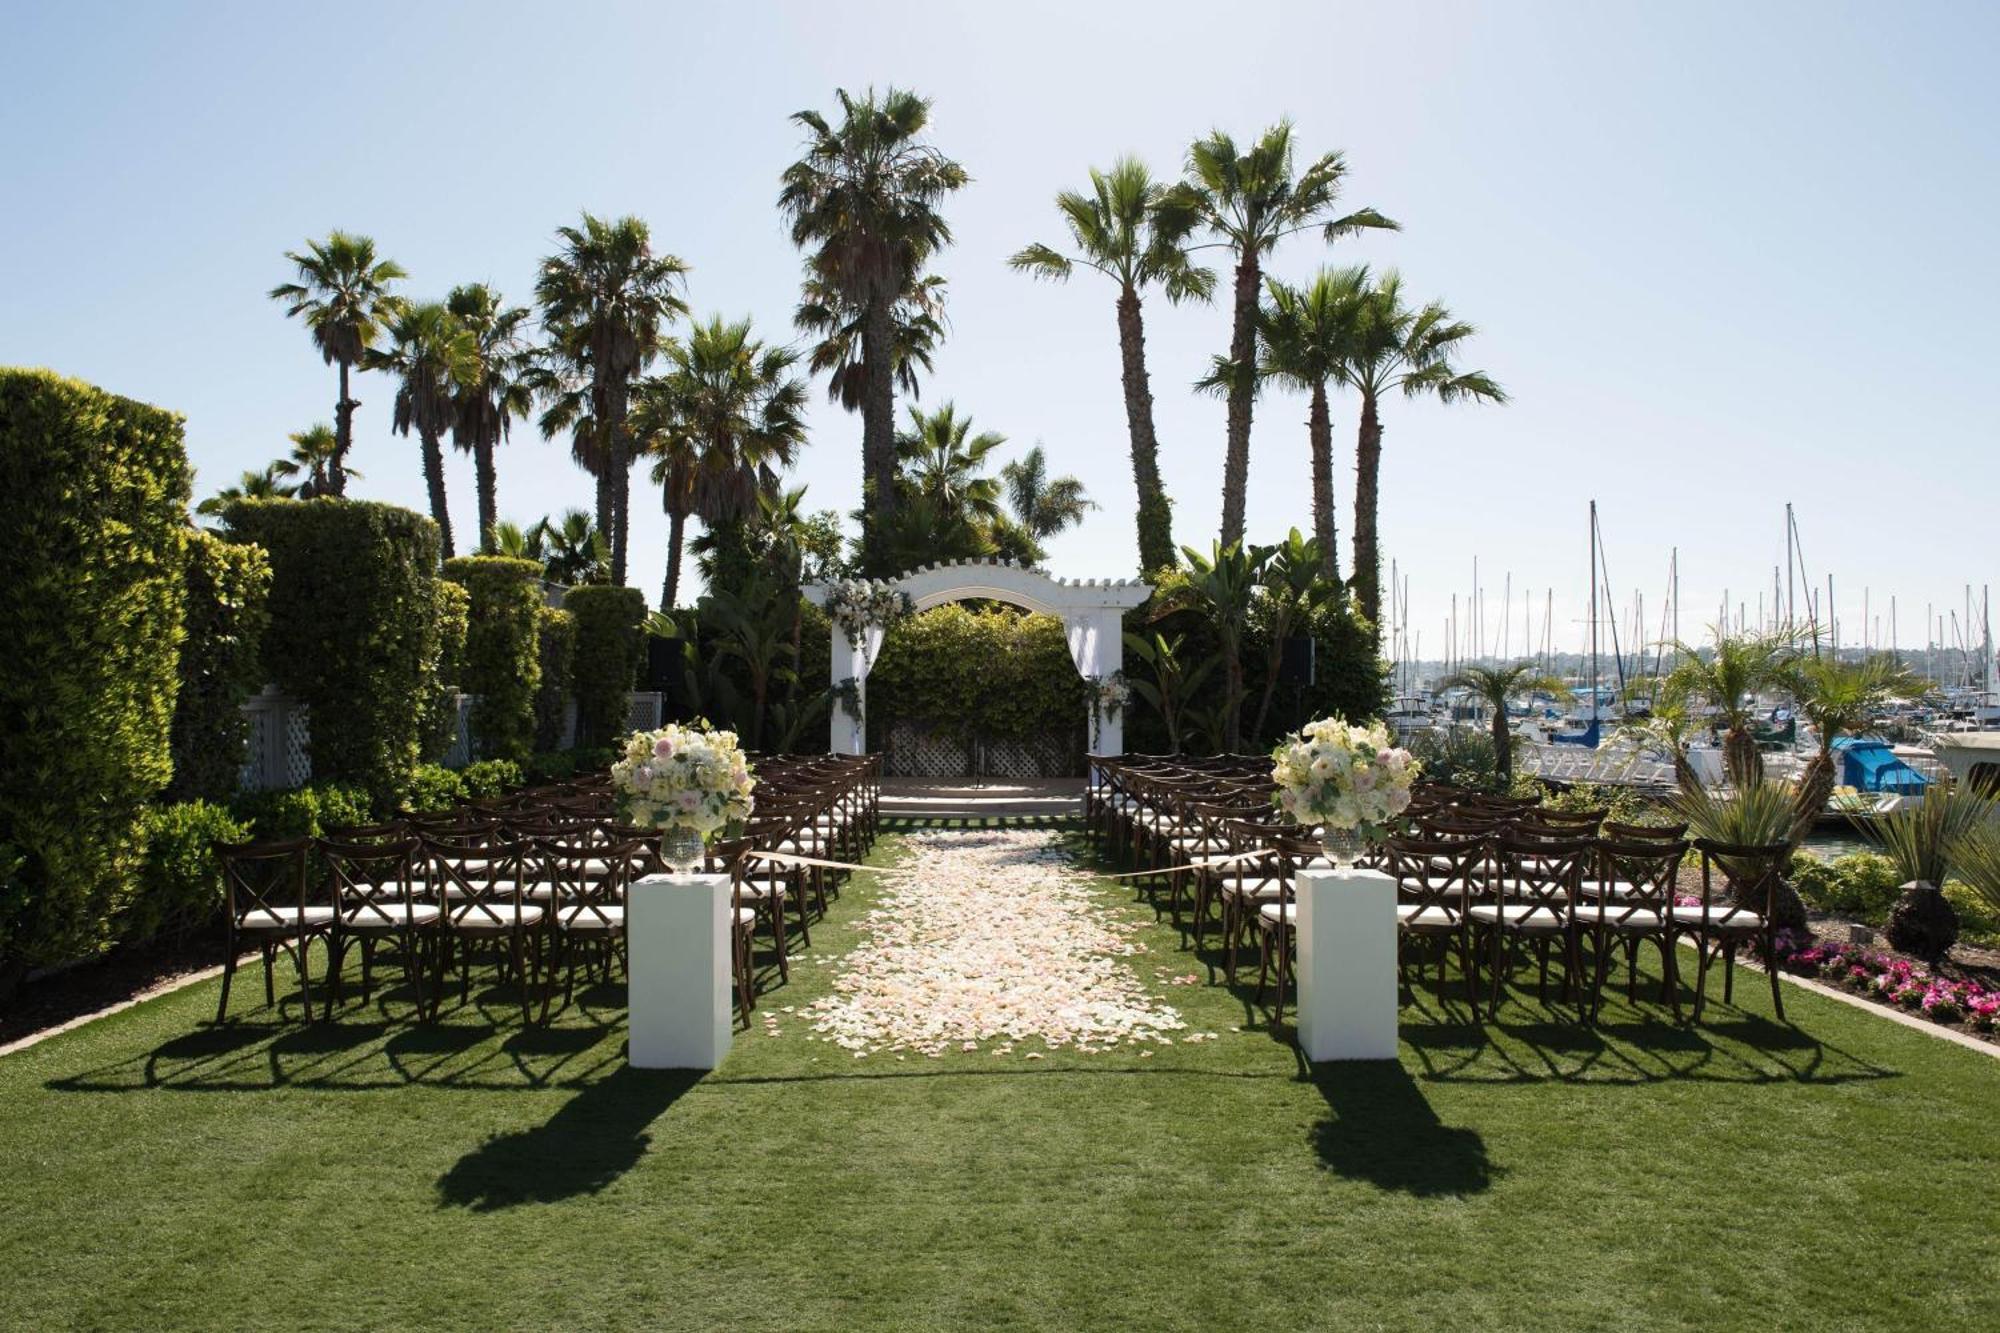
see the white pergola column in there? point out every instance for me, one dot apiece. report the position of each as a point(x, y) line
point(850, 733)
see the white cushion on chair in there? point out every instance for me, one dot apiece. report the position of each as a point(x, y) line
point(1273, 914)
point(1413, 914)
point(1720, 915)
point(1523, 915)
point(1615, 918)
point(388, 916)
point(494, 915)
point(602, 916)
point(284, 918)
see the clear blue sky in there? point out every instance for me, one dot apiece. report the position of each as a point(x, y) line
point(1722, 255)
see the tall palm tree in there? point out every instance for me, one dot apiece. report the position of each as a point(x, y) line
point(1251, 199)
point(1302, 342)
point(312, 457)
point(266, 485)
point(576, 550)
point(1498, 686)
point(1042, 504)
point(431, 355)
point(605, 298)
point(498, 391)
point(1839, 698)
point(1121, 230)
point(343, 295)
point(1727, 679)
point(863, 203)
point(721, 421)
point(918, 328)
point(1391, 346)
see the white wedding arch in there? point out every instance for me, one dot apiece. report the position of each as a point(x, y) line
point(1092, 612)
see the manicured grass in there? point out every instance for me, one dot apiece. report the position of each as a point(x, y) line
point(156, 1172)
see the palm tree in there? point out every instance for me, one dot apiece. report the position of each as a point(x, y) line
point(343, 295)
point(1839, 698)
point(432, 357)
point(1666, 722)
point(863, 203)
point(720, 422)
point(1302, 342)
point(1389, 347)
point(1294, 591)
point(1727, 680)
point(312, 456)
point(918, 328)
point(498, 391)
point(1497, 687)
point(577, 551)
point(945, 464)
point(605, 298)
point(1221, 585)
point(1121, 230)
point(1250, 200)
point(1043, 505)
point(518, 543)
point(266, 485)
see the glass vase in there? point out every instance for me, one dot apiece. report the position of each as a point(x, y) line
point(1343, 846)
point(682, 850)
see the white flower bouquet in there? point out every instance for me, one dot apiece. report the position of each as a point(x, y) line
point(684, 778)
point(1344, 778)
point(855, 604)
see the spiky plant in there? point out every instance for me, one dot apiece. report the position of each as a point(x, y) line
point(1498, 686)
point(1758, 814)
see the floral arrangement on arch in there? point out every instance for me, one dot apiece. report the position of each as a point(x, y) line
point(1342, 776)
point(855, 604)
point(687, 777)
point(1108, 697)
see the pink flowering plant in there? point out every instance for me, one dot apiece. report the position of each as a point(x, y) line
point(688, 777)
point(1891, 980)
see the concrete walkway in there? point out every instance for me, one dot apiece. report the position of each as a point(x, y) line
point(967, 798)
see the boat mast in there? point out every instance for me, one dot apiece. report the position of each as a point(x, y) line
point(1593, 613)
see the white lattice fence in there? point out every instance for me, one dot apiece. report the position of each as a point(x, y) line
point(279, 751)
point(914, 752)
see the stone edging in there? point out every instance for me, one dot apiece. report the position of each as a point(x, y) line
point(166, 987)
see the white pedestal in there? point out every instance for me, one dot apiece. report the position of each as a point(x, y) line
point(1347, 964)
point(677, 951)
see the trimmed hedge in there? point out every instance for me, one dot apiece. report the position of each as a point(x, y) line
point(227, 589)
point(454, 612)
point(93, 504)
point(999, 674)
point(555, 649)
point(178, 892)
point(503, 665)
point(609, 646)
point(304, 812)
point(355, 630)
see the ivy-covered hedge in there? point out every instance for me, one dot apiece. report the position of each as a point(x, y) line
point(93, 508)
point(503, 664)
point(998, 674)
point(355, 630)
point(555, 650)
point(454, 618)
point(609, 646)
point(220, 666)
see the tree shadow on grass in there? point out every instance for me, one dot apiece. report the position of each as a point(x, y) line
point(597, 1136)
point(1383, 1131)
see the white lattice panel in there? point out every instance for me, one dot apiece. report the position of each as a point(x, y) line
point(298, 744)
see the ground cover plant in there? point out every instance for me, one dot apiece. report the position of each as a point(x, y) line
point(1743, 1174)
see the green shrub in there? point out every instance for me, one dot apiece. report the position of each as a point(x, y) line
point(609, 645)
point(548, 766)
point(355, 630)
point(555, 640)
point(178, 891)
point(1861, 884)
point(503, 664)
point(999, 674)
point(1458, 756)
point(93, 508)
point(303, 812)
point(434, 787)
point(454, 613)
point(220, 667)
point(1621, 804)
point(490, 777)
point(1978, 922)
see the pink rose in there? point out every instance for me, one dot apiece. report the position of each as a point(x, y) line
point(1364, 779)
point(689, 800)
point(663, 747)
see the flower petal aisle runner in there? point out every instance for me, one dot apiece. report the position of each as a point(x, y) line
point(991, 937)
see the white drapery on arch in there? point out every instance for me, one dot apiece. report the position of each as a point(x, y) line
point(1092, 612)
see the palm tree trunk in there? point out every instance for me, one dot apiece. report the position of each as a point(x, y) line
point(1242, 394)
point(1280, 630)
point(489, 504)
point(676, 526)
point(1503, 747)
point(434, 480)
point(1320, 426)
point(1815, 785)
point(1740, 756)
point(621, 504)
point(878, 426)
point(1367, 552)
point(605, 503)
point(1232, 704)
point(343, 437)
point(1155, 517)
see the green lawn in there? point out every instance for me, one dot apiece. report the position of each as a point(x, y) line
point(156, 1172)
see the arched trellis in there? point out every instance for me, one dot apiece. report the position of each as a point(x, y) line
point(1091, 610)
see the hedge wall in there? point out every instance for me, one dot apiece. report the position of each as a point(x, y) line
point(227, 589)
point(555, 639)
point(503, 662)
point(454, 619)
point(609, 647)
point(999, 674)
point(355, 630)
point(93, 505)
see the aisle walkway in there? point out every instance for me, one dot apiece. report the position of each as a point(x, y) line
point(991, 939)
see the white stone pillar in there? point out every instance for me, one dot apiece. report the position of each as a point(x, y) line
point(1346, 964)
point(849, 734)
point(1111, 661)
point(678, 957)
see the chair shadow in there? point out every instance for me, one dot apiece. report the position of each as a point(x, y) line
point(1383, 1130)
point(596, 1137)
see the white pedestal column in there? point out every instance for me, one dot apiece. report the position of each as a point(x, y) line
point(1347, 964)
point(677, 951)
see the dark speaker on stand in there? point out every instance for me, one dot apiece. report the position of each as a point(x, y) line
point(1296, 664)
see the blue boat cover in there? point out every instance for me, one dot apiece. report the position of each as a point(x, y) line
point(1871, 766)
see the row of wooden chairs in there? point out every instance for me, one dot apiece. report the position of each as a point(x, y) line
point(537, 878)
